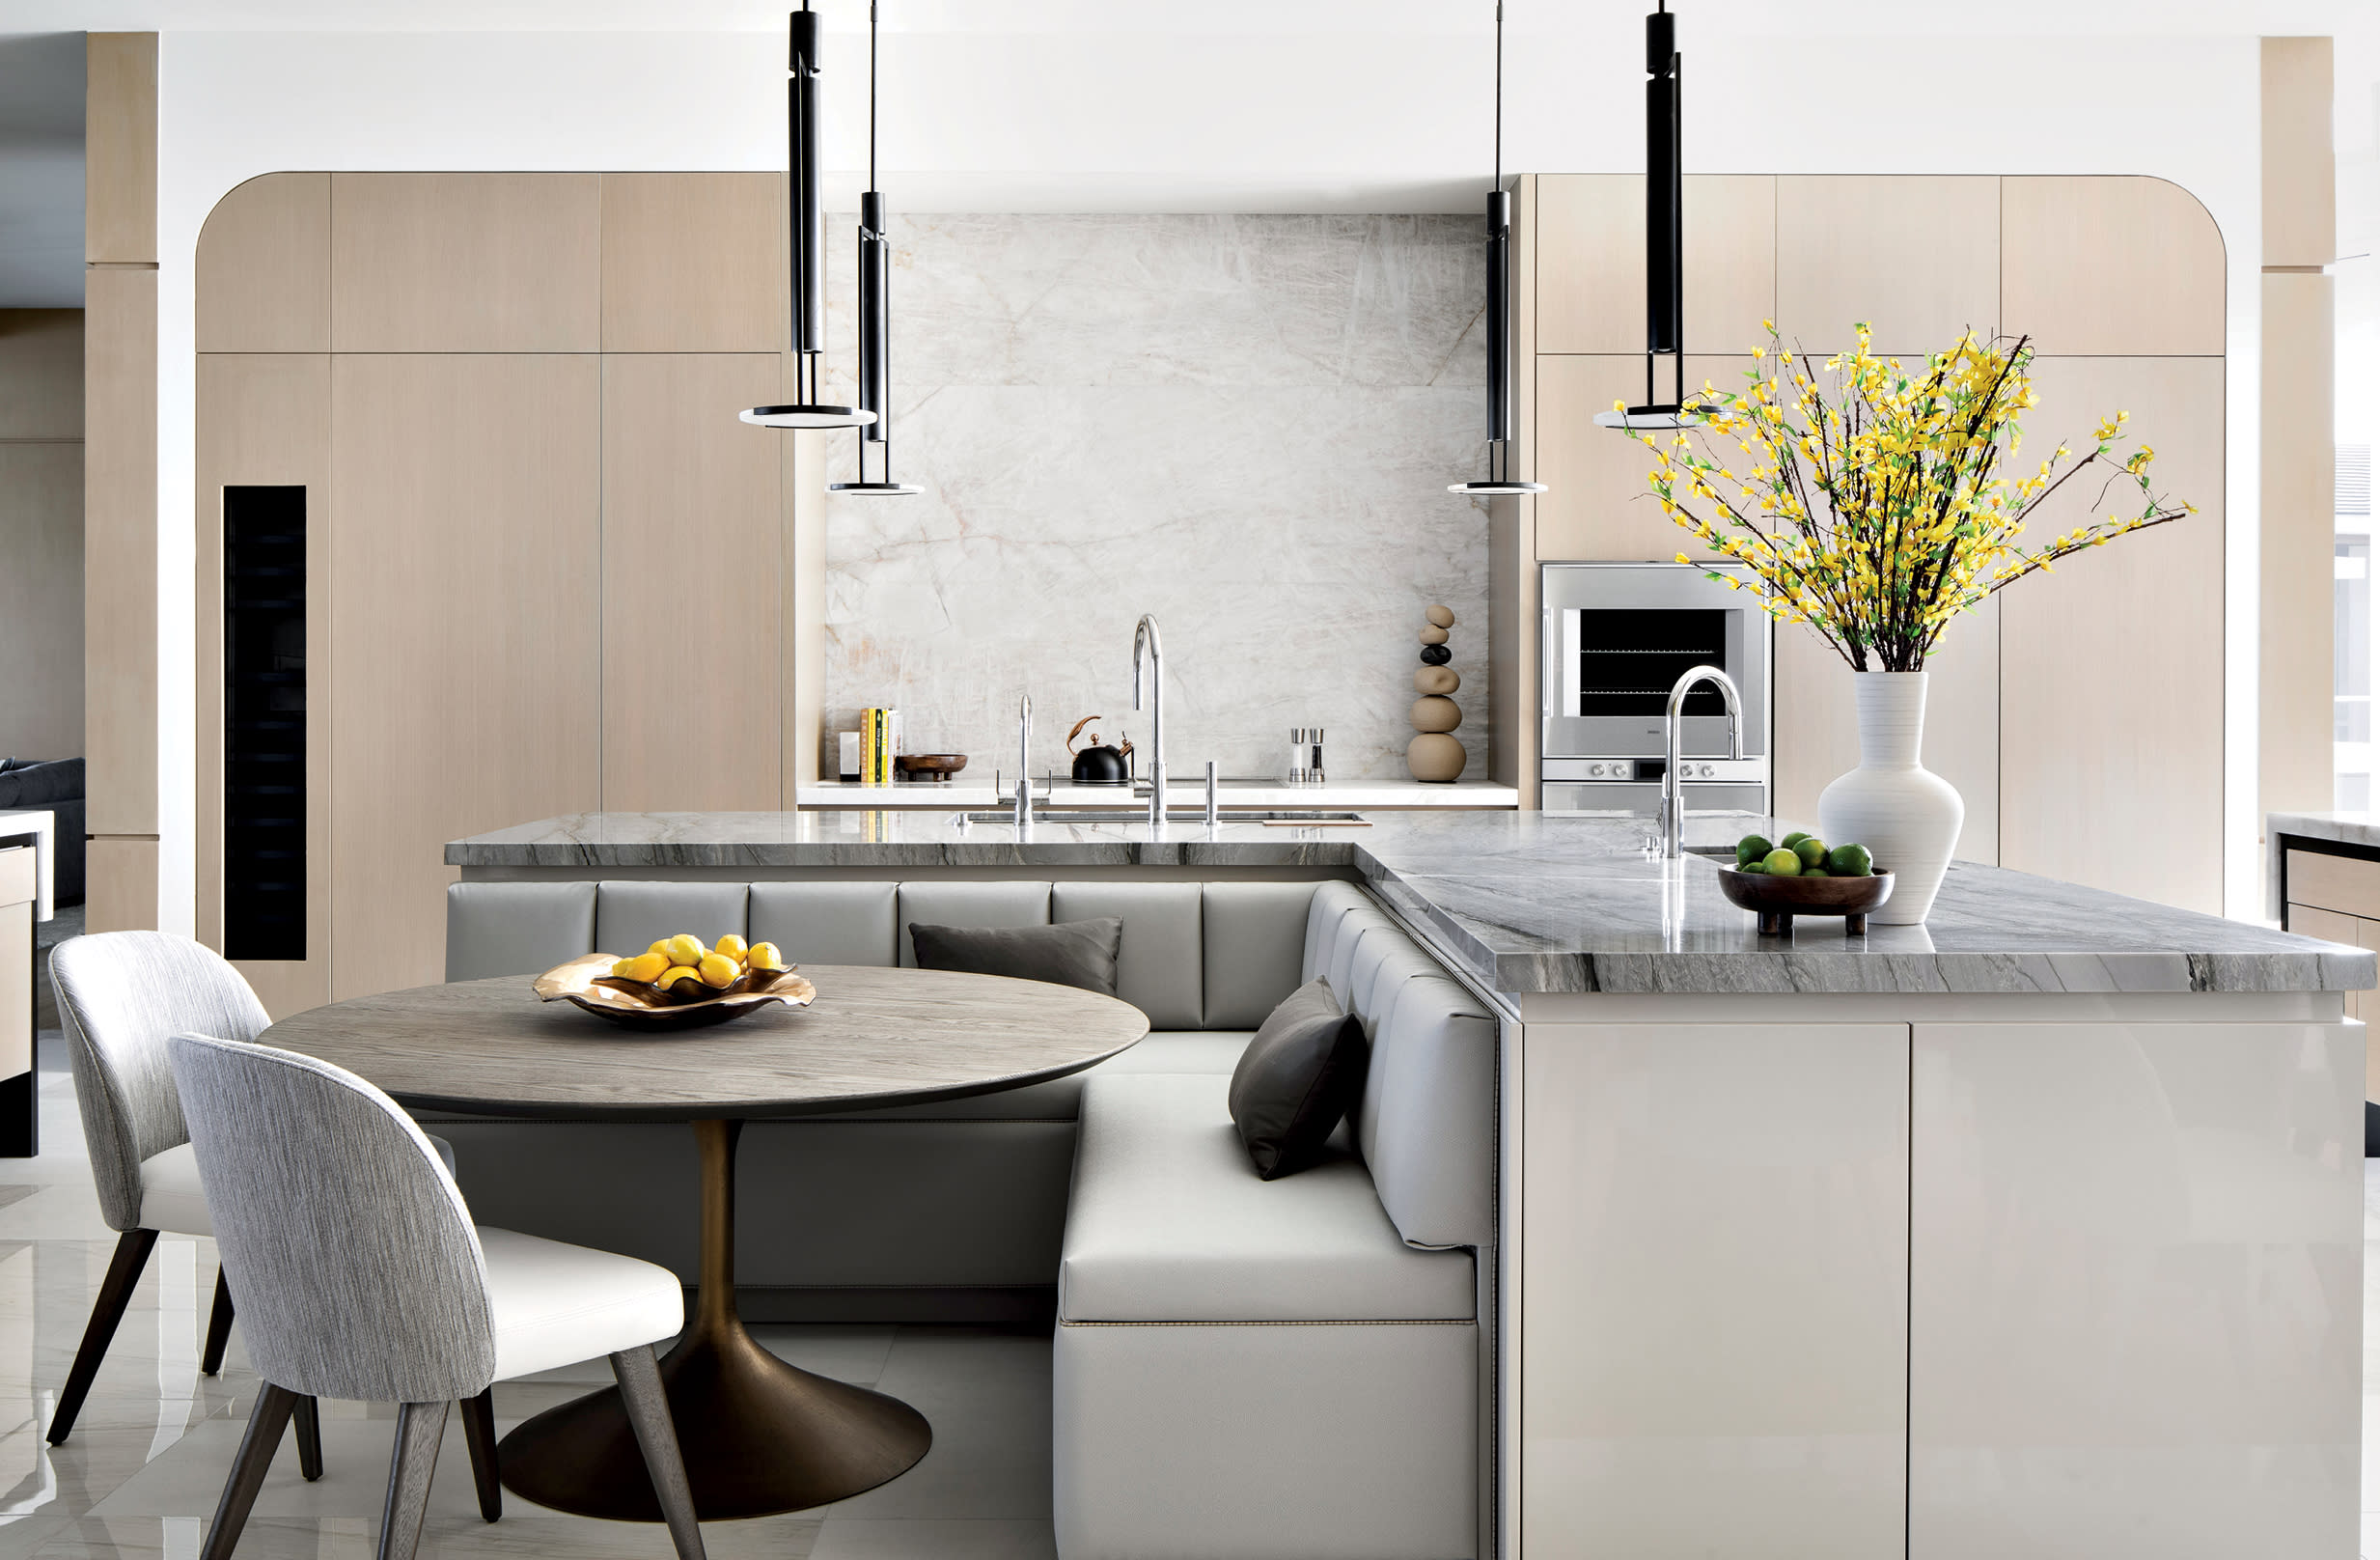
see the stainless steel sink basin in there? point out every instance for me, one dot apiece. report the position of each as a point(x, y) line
point(1172, 815)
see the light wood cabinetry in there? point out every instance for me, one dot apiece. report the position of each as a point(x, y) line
point(2110, 695)
point(2110, 266)
point(1597, 504)
point(120, 149)
point(40, 374)
point(1916, 258)
point(466, 263)
point(693, 544)
point(120, 550)
point(1591, 263)
point(264, 268)
point(2336, 897)
point(120, 883)
point(465, 605)
point(802, 452)
point(263, 419)
point(694, 263)
point(41, 598)
point(1817, 724)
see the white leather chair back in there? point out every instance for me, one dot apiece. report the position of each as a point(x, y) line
point(121, 996)
point(360, 1275)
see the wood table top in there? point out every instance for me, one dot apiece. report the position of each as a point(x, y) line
point(874, 1036)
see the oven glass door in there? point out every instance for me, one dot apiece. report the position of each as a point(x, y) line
point(1613, 667)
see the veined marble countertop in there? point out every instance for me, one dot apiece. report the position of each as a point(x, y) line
point(1531, 903)
point(1181, 790)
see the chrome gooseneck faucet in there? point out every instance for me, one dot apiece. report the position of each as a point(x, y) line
point(1144, 638)
point(1672, 783)
point(1024, 761)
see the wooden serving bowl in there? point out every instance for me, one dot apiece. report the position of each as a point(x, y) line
point(588, 984)
point(1776, 901)
point(929, 766)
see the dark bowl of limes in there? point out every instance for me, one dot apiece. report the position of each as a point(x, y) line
point(1803, 875)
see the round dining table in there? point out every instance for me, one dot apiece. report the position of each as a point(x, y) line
point(759, 1436)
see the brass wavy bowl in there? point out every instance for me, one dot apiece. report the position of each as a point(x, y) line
point(634, 1005)
point(1776, 901)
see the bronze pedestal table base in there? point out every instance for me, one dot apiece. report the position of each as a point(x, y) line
point(759, 1436)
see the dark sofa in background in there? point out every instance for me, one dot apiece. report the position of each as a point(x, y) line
point(51, 786)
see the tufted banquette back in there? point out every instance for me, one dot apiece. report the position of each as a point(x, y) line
point(1194, 957)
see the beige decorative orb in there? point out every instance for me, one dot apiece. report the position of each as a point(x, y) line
point(1439, 616)
point(1435, 757)
point(1436, 680)
point(1436, 713)
point(1432, 634)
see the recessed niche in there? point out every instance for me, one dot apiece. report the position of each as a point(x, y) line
point(265, 723)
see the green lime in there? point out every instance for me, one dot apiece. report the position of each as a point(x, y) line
point(1816, 872)
point(1850, 861)
point(1783, 863)
point(1793, 839)
point(1752, 847)
point(1812, 851)
point(1755, 868)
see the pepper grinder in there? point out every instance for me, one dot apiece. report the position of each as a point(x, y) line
point(1305, 755)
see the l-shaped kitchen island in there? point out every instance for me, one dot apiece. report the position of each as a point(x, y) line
point(2037, 1230)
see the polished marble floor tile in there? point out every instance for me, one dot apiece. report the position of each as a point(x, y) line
point(951, 1537)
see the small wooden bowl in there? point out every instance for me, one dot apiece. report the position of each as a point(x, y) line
point(588, 982)
point(1776, 901)
point(929, 766)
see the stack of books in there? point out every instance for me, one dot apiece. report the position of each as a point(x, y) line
point(880, 740)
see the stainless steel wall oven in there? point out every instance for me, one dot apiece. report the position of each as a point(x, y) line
point(1615, 638)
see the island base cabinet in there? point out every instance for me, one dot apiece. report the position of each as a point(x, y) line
point(1714, 1291)
point(2136, 1298)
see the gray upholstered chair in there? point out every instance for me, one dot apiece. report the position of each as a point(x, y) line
point(119, 995)
point(362, 1277)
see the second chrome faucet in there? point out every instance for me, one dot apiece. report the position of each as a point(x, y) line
point(1144, 641)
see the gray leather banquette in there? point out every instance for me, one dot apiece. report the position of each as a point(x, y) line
point(1242, 1367)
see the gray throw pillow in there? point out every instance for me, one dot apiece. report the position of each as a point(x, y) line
point(1298, 1076)
point(1071, 952)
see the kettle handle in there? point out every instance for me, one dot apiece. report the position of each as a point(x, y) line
point(1078, 726)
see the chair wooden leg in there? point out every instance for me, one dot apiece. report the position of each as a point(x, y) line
point(309, 1416)
point(656, 1436)
point(411, 1462)
point(266, 1423)
point(218, 1328)
point(478, 1420)
point(123, 1271)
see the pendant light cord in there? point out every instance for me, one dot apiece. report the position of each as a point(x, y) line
point(871, 93)
point(1499, 184)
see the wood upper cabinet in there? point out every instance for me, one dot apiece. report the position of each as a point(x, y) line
point(694, 263)
point(2112, 689)
point(465, 262)
point(1817, 724)
point(263, 419)
point(120, 549)
point(264, 268)
point(693, 544)
point(1915, 257)
point(2111, 266)
point(465, 674)
point(1597, 504)
point(1591, 262)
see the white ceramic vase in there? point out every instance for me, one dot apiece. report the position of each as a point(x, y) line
point(1906, 815)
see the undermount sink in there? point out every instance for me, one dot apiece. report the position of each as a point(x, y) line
point(1172, 815)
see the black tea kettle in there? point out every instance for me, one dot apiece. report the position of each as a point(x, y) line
point(1099, 765)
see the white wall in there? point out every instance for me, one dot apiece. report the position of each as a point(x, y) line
point(1204, 120)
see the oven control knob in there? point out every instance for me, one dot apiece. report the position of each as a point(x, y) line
point(1708, 771)
point(1595, 769)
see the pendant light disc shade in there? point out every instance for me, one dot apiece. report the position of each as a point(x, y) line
point(1496, 489)
point(806, 417)
point(875, 489)
point(1636, 417)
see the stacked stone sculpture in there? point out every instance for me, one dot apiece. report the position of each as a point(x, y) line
point(1435, 756)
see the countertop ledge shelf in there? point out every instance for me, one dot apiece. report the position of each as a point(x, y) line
point(1181, 790)
point(1530, 904)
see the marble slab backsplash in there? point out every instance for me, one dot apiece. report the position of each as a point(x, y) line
point(1244, 425)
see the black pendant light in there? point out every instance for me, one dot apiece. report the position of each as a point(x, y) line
point(805, 244)
point(1665, 233)
point(1500, 483)
point(876, 332)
